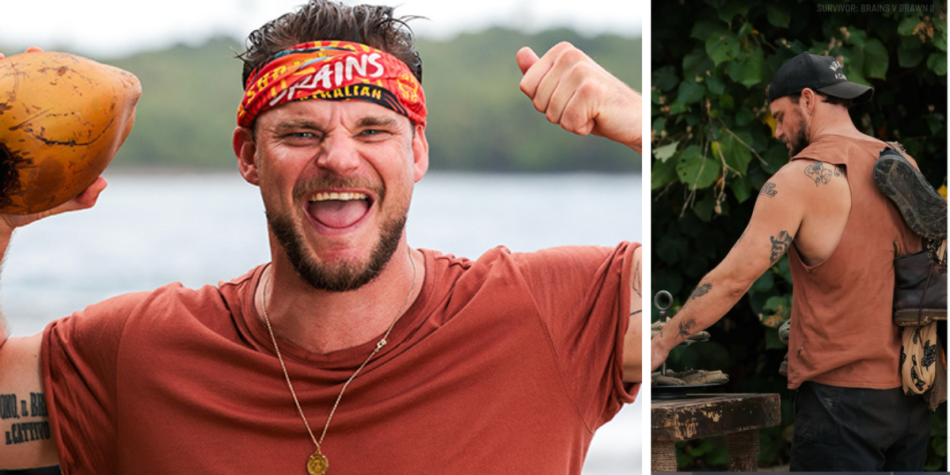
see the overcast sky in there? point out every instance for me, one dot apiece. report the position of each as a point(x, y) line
point(116, 27)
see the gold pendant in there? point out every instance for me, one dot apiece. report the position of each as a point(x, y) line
point(317, 464)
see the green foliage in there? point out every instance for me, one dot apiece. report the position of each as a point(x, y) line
point(713, 151)
point(478, 117)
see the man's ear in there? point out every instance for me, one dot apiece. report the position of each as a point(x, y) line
point(420, 152)
point(246, 152)
point(809, 100)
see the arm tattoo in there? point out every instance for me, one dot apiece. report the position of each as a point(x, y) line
point(740, 238)
point(769, 190)
point(779, 245)
point(686, 328)
point(701, 290)
point(20, 432)
point(820, 174)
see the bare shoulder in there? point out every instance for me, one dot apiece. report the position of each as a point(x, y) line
point(807, 178)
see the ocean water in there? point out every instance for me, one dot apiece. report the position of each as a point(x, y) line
point(149, 230)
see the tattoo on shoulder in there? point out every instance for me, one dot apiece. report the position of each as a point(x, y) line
point(821, 173)
point(780, 245)
point(686, 328)
point(701, 290)
point(17, 411)
point(768, 190)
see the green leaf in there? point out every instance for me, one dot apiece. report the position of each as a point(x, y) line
point(908, 25)
point(941, 43)
point(665, 152)
point(672, 249)
point(778, 304)
point(937, 63)
point(854, 65)
point(736, 154)
point(662, 172)
point(744, 117)
point(721, 48)
point(730, 9)
point(909, 57)
point(935, 123)
point(694, 170)
point(775, 158)
point(715, 84)
point(659, 125)
point(665, 78)
point(748, 70)
point(855, 37)
point(726, 102)
point(690, 92)
point(703, 208)
point(778, 15)
point(876, 59)
point(763, 284)
point(705, 28)
point(696, 63)
point(745, 30)
point(741, 188)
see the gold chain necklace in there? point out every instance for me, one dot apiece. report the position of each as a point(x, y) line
point(317, 462)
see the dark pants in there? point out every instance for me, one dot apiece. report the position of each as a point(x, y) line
point(860, 430)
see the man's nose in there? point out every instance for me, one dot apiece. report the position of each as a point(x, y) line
point(339, 154)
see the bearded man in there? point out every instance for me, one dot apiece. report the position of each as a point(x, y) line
point(840, 232)
point(350, 351)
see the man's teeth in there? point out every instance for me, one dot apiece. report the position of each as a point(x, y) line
point(333, 196)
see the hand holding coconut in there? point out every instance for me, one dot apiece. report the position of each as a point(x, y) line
point(62, 119)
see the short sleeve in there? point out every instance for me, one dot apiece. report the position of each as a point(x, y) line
point(79, 362)
point(583, 297)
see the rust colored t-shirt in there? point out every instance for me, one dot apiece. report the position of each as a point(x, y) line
point(842, 332)
point(504, 365)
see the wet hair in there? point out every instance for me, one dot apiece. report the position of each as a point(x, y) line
point(322, 20)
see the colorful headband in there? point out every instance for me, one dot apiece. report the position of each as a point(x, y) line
point(334, 71)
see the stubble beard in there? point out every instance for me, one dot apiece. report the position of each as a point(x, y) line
point(799, 140)
point(347, 275)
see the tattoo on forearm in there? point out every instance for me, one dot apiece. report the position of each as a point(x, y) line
point(635, 312)
point(779, 245)
point(701, 290)
point(686, 328)
point(769, 190)
point(821, 174)
point(740, 237)
point(21, 432)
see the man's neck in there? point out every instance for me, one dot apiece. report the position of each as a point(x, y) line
point(833, 120)
point(322, 321)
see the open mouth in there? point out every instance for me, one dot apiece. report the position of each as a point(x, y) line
point(338, 210)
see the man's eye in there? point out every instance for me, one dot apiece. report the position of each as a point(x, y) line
point(302, 135)
point(371, 132)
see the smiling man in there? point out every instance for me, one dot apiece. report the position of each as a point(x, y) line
point(350, 352)
point(840, 232)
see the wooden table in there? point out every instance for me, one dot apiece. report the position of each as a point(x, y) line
point(737, 416)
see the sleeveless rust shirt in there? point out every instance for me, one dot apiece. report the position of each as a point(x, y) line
point(841, 330)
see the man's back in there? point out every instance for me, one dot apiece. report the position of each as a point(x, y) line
point(841, 265)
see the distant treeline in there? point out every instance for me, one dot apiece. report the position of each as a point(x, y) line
point(478, 118)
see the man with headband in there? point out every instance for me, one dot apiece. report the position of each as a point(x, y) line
point(350, 352)
point(840, 232)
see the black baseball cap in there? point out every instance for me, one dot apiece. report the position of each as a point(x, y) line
point(820, 73)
